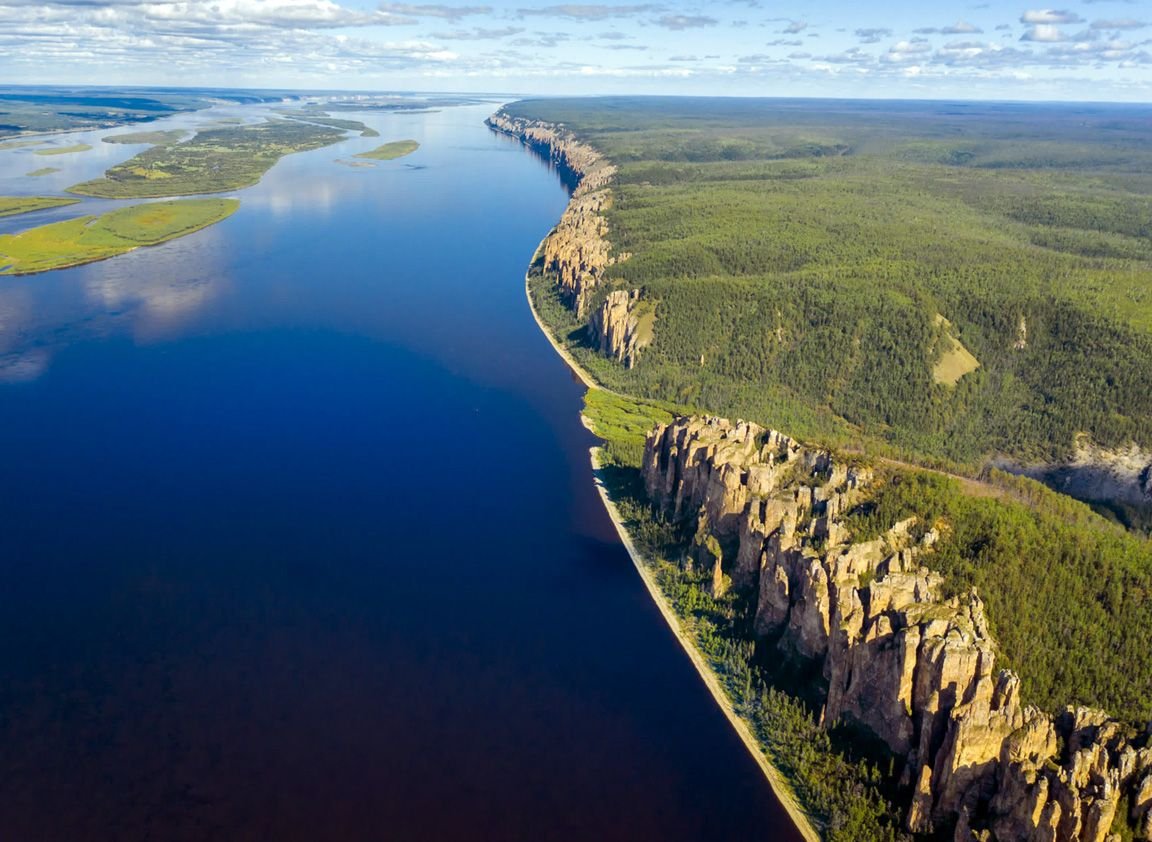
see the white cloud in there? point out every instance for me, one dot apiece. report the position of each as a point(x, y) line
point(1044, 34)
point(1050, 16)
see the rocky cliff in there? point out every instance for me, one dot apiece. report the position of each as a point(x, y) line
point(577, 252)
point(914, 667)
point(622, 326)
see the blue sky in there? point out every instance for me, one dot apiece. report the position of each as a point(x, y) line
point(1084, 50)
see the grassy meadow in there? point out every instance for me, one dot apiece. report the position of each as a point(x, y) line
point(391, 151)
point(63, 150)
point(213, 161)
point(13, 205)
point(90, 238)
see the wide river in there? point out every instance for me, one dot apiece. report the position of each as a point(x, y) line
point(299, 535)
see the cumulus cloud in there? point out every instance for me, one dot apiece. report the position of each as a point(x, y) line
point(680, 22)
point(907, 50)
point(1045, 34)
point(1050, 16)
point(795, 27)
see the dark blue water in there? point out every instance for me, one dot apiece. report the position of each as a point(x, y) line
point(300, 542)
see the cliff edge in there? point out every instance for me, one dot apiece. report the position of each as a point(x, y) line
point(577, 252)
point(913, 666)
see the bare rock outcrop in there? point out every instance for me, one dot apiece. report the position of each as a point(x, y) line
point(622, 326)
point(914, 666)
point(577, 252)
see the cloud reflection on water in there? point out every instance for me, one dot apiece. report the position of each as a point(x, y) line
point(152, 295)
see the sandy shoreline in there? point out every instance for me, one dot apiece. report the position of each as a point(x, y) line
point(780, 786)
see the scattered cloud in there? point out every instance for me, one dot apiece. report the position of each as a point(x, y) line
point(433, 10)
point(679, 22)
point(1050, 16)
point(1123, 23)
point(873, 35)
point(479, 34)
point(794, 27)
point(961, 27)
point(1045, 34)
point(591, 11)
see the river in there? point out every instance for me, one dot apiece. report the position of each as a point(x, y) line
point(300, 540)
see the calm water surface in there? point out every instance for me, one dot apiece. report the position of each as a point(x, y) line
point(299, 538)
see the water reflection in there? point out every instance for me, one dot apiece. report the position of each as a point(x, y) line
point(150, 295)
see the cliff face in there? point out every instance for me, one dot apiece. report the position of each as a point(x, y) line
point(577, 252)
point(914, 668)
point(622, 325)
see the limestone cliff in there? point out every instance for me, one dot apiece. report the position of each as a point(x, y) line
point(577, 252)
point(622, 325)
point(914, 667)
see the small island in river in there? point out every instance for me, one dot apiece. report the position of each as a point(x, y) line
point(391, 151)
point(87, 239)
point(15, 205)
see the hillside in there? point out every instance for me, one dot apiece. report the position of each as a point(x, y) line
point(952, 283)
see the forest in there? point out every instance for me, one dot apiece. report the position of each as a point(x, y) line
point(806, 258)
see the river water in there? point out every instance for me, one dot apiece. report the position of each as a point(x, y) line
point(299, 535)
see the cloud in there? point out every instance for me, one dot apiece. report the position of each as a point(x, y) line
point(961, 27)
point(683, 58)
point(433, 10)
point(1124, 23)
point(783, 42)
point(794, 27)
point(478, 34)
point(590, 11)
point(1045, 34)
point(907, 50)
point(1050, 16)
point(680, 22)
point(873, 35)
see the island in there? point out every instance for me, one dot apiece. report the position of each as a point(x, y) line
point(63, 150)
point(390, 151)
point(13, 205)
point(213, 161)
point(90, 238)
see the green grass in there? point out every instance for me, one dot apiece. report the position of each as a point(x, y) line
point(13, 205)
point(19, 144)
point(63, 150)
point(391, 151)
point(43, 171)
point(154, 137)
point(90, 238)
point(215, 160)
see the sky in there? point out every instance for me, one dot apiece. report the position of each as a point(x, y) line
point(1085, 50)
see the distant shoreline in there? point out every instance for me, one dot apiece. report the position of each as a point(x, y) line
point(779, 784)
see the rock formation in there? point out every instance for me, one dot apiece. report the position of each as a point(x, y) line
point(915, 668)
point(622, 325)
point(577, 252)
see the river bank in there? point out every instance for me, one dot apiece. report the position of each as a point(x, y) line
point(779, 784)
